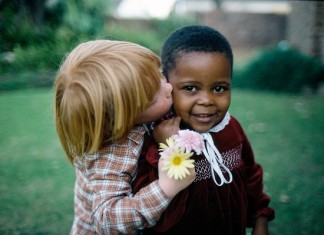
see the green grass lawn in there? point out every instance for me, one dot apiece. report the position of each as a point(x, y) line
point(36, 181)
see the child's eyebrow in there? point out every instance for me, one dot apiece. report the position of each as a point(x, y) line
point(190, 82)
point(222, 83)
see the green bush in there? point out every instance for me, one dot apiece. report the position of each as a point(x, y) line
point(26, 79)
point(30, 53)
point(18, 27)
point(35, 65)
point(152, 33)
point(281, 70)
point(147, 38)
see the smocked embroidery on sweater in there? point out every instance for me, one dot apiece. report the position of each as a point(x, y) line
point(231, 158)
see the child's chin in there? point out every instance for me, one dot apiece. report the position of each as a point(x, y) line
point(201, 130)
point(197, 128)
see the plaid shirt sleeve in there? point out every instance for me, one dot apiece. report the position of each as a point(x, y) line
point(103, 188)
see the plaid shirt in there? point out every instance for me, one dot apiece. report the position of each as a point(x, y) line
point(103, 201)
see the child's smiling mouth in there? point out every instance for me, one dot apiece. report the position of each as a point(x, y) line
point(204, 117)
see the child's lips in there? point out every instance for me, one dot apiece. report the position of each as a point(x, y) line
point(204, 117)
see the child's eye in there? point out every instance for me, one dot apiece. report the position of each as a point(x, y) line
point(190, 88)
point(219, 89)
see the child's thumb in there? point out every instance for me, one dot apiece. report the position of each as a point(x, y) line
point(177, 120)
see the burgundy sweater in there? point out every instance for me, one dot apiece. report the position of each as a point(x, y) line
point(204, 207)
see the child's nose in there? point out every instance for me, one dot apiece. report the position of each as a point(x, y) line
point(205, 98)
point(169, 88)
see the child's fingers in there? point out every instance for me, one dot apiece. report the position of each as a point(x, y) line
point(173, 121)
point(177, 120)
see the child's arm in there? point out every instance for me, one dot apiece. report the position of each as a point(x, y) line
point(258, 201)
point(115, 208)
point(258, 212)
point(261, 226)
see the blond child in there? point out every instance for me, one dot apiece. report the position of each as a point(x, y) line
point(105, 92)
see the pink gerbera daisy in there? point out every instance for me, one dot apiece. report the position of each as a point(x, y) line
point(189, 140)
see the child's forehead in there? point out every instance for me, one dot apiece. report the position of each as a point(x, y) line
point(194, 59)
point(187, 55)
point(196, 66)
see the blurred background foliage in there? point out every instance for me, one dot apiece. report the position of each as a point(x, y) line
point(281, 69)
point(36, 34)
point(35, 37)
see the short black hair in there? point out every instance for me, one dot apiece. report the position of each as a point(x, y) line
point(193, 38)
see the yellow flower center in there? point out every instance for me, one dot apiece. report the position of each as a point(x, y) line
point(177, 161)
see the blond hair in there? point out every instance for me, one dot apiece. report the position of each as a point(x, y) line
point(100, 89)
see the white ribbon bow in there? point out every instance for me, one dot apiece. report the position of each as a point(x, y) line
point(214, 157)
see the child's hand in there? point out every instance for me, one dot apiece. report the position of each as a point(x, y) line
point(261, 226)
point(166, 129)
point(172, 187)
